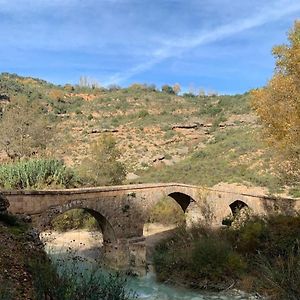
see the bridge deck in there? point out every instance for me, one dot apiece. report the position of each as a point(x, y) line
point(132, 187)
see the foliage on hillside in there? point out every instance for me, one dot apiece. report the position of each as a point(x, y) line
point(142, 120)
point(24, 129)
point(75, 219)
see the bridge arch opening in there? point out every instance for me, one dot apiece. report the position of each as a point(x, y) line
point(237, 206)
point(183, 200)
point(164, 216)
point(83, 231)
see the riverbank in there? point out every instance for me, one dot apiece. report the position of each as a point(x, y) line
point(18, 248)
point(261, 255)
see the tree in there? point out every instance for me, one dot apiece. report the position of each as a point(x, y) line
point(24, 129)
point(176, 88)
point(103, 166)
point(278, 104)
point(167, 89)
point(86, 82)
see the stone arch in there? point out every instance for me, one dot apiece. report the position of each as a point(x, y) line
point(109, 234)
point(182, 199)
point(237, 206)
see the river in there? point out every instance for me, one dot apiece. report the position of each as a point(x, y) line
point(88, 245)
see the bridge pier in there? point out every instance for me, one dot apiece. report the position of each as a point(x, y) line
point(127, 255)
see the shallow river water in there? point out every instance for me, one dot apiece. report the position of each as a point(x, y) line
point(86, 244)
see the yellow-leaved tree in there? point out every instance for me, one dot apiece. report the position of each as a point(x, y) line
point(278, 104)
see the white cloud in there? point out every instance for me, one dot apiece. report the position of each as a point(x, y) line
point(176, 47)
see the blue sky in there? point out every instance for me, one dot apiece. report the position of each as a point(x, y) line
point(219, 45)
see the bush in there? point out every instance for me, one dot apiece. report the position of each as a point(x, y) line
point(36, 173)
point(6, 293)
point(199, 256)
point(214, 258)
point(167, 89)
point(103, 166)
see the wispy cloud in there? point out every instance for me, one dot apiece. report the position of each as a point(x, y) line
point(178, 46)
point(209, 43)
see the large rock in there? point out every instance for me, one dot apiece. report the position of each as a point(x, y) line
point(4, 204)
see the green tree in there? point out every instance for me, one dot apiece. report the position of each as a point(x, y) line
point(24, 129)
point(278, 104)
point(102, 167)
point(167, 89)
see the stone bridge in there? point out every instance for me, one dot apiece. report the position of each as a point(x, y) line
point(122, 211)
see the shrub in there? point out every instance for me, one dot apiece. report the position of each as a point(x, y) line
point(6, 293)
point(198, 255)
point(214, 258)
point(36, 173)
point(103, 166)
point(281, 277)
point(167, 89)
point(143, 114)
point(24, 129)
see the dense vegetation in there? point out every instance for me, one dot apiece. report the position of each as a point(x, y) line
point(263, 254)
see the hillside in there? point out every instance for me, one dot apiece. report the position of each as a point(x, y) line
point(162, 137)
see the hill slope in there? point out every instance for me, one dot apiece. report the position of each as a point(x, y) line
point(162, 136)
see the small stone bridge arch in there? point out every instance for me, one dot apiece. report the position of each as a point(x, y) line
point(122, 211)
